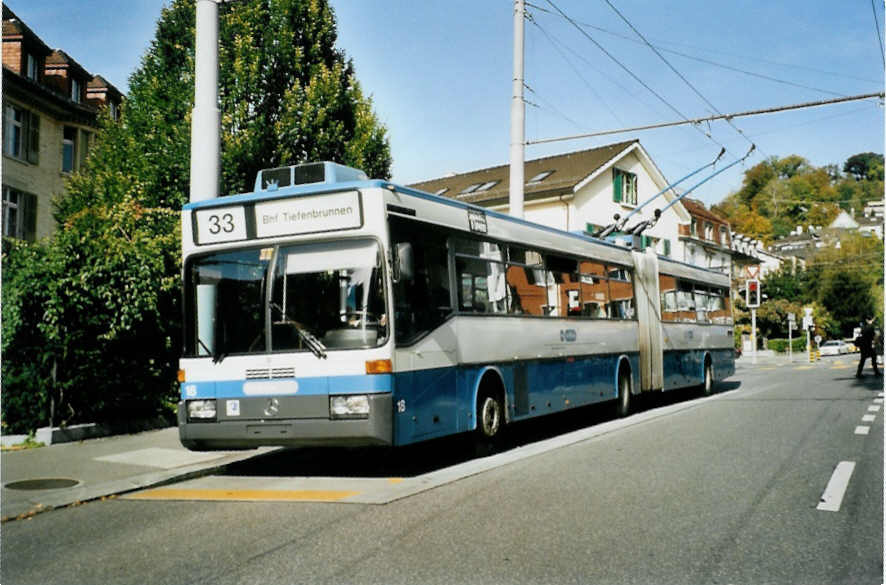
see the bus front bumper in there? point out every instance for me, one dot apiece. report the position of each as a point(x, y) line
point(228, 434)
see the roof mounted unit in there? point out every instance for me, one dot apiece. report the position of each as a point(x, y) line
point(306, 174)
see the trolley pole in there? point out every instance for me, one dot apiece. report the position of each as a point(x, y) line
point(518, 117)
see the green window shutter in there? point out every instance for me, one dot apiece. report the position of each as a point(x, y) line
point(667, 248)
point(33, 138)
point(29, 220)
point(617, 180)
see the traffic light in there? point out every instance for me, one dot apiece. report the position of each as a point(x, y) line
point(752, 293)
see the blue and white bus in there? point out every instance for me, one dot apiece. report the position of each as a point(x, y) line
point(327, 309)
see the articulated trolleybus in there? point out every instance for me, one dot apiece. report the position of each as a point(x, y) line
point(327, 309)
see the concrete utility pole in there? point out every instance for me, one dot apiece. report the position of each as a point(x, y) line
point(205, 117)
point(518, 117)
point(206, 147)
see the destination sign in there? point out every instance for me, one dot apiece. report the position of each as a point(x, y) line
point(280, 217)
point(305, 215)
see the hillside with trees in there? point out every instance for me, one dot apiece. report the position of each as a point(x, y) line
point(842, 284)
point(779, 194)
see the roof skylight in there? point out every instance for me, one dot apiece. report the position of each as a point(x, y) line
point(540, 177)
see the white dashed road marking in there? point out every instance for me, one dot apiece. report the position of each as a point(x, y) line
point(832, 498)
point(862, 430)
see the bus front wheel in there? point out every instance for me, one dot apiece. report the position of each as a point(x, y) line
point(490, 420)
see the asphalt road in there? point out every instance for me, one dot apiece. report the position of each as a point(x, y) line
point(769, 482)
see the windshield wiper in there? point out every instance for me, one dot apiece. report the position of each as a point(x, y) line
point(216, 357)
point(312, 343)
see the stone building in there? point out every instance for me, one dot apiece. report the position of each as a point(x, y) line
point(50, 112)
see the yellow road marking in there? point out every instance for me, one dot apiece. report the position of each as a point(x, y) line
point(395, 480)
point(243, 495)
point(804, 367)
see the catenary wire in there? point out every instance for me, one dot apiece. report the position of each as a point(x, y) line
point(629, 72)
point(717, 64)
point(879, 37)
point(677, 72)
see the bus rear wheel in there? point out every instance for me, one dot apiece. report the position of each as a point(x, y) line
point(624, 393)
point(708, 384)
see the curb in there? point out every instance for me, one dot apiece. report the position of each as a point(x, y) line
point(44, 501)
point(81, 432)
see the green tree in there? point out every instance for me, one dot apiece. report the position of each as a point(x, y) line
point(99, 302)
point(865, 165)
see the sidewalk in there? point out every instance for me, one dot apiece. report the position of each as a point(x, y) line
point(68, 473)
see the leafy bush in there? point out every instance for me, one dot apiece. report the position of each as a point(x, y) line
point(26, 371)
point(781, 345)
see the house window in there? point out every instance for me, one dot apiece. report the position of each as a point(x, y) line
point(75, 91)
point(19, 214)
point(69, 149)
point(115, 113)
point(31, 67)
point(666, 248)
point(724, 237)
point(470, 189)
point(21, 134)
point(693, 227)
point(624, 187)
point(709, 231)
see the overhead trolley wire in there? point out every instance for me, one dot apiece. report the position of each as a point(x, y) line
point(674, 69)
point(722, 65)
point(694, 121)
point(629, 72)
point(879, 37)
point(573, 67)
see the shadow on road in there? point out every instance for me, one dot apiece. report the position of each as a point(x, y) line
point(428, 456)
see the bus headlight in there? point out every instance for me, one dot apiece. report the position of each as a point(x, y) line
point(356, 406)
point(201, 409)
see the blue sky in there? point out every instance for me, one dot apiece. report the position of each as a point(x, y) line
point(440, 74)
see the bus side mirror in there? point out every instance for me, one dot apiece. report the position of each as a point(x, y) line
point(403, 264)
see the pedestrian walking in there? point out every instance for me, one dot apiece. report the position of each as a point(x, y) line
point(865, 344)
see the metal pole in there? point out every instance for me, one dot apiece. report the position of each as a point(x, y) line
point(790, 343)
point(518, 117)
point(205, 117)
point(206, 146)
point(754, 334)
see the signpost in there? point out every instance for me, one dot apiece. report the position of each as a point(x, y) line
point(792, 324)
point(752, 299)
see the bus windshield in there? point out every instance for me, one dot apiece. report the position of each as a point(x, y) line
point(305, 297)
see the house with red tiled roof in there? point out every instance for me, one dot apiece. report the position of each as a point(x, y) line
point(580, 192)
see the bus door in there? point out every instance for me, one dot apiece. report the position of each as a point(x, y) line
point(649, 319)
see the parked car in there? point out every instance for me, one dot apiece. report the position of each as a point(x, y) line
point(834, 347)
point(851, 345)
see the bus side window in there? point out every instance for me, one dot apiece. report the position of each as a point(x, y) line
point(621, 290)
point(685, 302)
point(525, 280)
point(563, 292)
point(423, 303)
point(667, 286)
point(702, 303)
